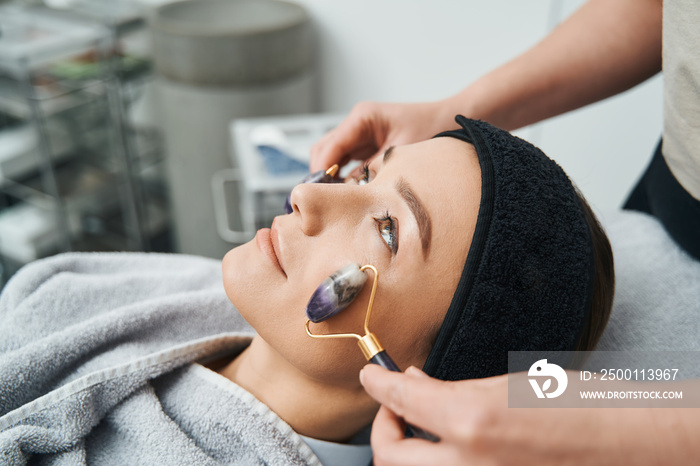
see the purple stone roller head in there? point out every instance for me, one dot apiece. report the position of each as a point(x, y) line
point(335, 293)
point(321, 176)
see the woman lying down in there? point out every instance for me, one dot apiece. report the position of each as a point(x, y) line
point(481, 243)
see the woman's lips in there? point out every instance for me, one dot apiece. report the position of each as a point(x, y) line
point(264, 238)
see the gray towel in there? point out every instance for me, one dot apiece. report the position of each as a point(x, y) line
point(657, 294)
point(83, 341)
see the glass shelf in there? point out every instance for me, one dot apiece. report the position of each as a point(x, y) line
point(75, 174)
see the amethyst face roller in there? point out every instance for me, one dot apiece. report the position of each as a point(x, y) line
point(320, 176)
point(335, 294)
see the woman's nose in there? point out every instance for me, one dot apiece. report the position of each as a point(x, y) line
point(320, 205)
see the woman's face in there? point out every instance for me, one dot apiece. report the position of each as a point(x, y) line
point(411, 214)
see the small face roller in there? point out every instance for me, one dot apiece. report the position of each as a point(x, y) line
point(335, 294)
point(320, 176)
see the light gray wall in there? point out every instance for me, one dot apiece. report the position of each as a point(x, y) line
point(416, 50)
point(411, 50)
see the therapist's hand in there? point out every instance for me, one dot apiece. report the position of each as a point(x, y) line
point(372, 127)
point(476, 427)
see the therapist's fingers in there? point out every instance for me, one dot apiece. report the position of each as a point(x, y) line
point(418, 400)
point(391, 427)
point(389, 447)
point(339, 149)
point(359, 136)
point(371, 127)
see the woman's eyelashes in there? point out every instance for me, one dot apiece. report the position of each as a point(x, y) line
point(363, 177)
point(388, 228)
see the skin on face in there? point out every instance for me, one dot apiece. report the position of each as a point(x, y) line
point(333, 225)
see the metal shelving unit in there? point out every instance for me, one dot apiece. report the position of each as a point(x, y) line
point(76, 174)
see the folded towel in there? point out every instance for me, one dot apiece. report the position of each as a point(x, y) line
point(84, 340)
point(657, 294)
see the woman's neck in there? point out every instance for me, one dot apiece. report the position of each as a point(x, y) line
point(310, 407)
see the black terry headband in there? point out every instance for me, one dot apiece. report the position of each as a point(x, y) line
point(527, 283)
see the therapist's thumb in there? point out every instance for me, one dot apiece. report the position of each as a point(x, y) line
point(413, 395)
point(359, 137)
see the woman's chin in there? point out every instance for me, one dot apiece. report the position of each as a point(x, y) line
point(249, 280)
point(236, 269)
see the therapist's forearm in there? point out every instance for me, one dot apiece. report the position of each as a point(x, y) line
point(606, 47)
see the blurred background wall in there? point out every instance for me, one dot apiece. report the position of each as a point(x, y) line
point(393, 50)
point(407, 51)
point(411, 50)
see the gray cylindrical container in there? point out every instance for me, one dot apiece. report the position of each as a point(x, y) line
point(218, 60)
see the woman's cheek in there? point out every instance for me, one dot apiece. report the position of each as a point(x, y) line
point(250, 286)
point(233, 279)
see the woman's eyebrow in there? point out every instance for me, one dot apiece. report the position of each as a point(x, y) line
point(419, 212)
point(415, 205)
point(387, 153)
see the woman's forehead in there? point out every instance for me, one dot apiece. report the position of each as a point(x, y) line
point(436, 166)
point(439, 152)
point(445, 175)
